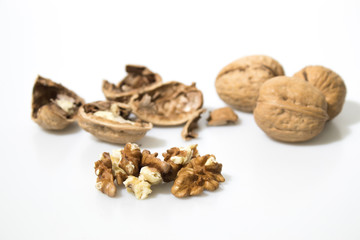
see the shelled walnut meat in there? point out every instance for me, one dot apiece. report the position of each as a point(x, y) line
point(111, 122)
point(290, 109)
point(169, 104)
point(53, 106)
point(202, 173)
point(139, 79)
point(329, 83)
point(238, 83)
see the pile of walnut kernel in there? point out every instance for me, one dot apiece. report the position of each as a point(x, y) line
point(138, 171)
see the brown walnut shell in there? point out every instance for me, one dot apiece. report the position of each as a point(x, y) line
point(329, 83)
point(139, 79)
point(129, 130)
point(238, 83)
point(169, 104)
point(290, 109)
point(45, 110)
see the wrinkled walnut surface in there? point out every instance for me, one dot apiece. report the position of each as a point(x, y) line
point(238, 83)
point(222, 116)
point(171, 103)
point(53, 106)
point(290, 109)
point(110, 130)
point(139, 79)
point(105, 180)
point(329, 83)
point(188, 132)
point(202, 173)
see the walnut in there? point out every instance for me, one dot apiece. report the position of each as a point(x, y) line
point(105, 180)
point(202, 172)
point(329, 83)
point(177, 158)
point(111, 122)
point(139, 187)
point(151, 160)
point(238, 83)
point(169, 104)
point(222, 116)
point(290, 109)
point(126, 162)
point(53, 106)
point(139, 79)
point(188, 131)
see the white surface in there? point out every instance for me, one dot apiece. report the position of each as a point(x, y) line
point(272, 190)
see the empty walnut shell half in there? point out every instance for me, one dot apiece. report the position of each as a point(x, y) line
point(290, 109)
point(110, 122)
point(329, 83)
point(53, 106)
point(169, 104)
point(139, 79)
point(238, 83)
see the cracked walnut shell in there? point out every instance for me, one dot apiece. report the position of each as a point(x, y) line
point(169, 104)
point(111, 122)
point(53, 106)
point(290, 109)
point(222, 116)
point(139, 79)
point(238, 83)
point(202, 173)
point(329, 83)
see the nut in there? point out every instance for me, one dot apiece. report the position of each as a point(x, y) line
point(329, 83)
point(290, 109)
point(238, 83)
point(126, 162)
point(139, 79)
point(105, 180)
point(151, 175)
point(110, 122)
point(188, 131)
point(139, 187)
point(169, 104)
point(222, 116)
point(53, 106)
point(151, 160)
point(202, 173)
point(177, 158)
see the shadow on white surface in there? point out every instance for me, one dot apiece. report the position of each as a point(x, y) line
point(152, 142)
point(338, 128)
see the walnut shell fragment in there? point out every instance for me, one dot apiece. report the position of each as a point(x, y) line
point(111, 122)
point(238, 83)
point(169, 104)
point(202, 173)
point(53, 106)
point(290, 109)
point(139, 79)
point(222, 116)
point(188, 132)
point(329, 83)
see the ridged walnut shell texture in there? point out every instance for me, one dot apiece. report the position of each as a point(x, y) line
point(290, 109)
point(238, 83)
point(45, 112)
point(169, 104)
point(329, 83)
point(109, 130)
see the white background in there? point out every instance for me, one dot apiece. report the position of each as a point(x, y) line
point(273, 190)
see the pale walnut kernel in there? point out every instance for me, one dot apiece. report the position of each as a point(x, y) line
point(139, 187)
point(202, 173)
point(151, 175)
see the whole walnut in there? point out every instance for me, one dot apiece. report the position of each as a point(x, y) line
point(238, 83)
point(329, 83)
point(290, 109)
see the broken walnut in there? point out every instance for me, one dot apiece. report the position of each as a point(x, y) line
point(111, 122)
point(105, 180)
point(222, 116)
point(188, 132)
point(169, 104)
point(53, 106)
point(139, 79)
point(202, 173)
